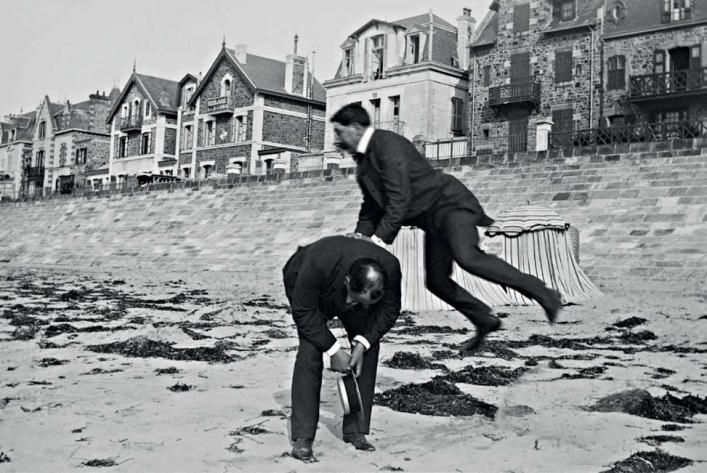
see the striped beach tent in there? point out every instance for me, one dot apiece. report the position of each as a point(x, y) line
point(538, 241)
point(534, 240)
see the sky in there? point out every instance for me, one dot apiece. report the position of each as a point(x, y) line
point(68, 49)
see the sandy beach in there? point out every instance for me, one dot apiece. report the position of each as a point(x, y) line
point(113, 372)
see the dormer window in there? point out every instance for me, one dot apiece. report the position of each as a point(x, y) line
point(676, 10)
point(414, 48)
point(349, 61)
point(188, 93)
point(377, 56)
point(564, 10)
point(12, 135)
point(42, 133)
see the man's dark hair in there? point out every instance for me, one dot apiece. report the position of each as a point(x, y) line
point(352, 113)
point(359, 274)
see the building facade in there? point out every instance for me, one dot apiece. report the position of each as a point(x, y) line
point(654, 79)
point(410, 75)
point(533, 63)
point(15, 152)
point(143, 129)
point(587, 71)
point(249, 115)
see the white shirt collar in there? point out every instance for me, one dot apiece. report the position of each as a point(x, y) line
point(365, 139)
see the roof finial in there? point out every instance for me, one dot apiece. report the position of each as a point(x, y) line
point(134, 64)
point(296, 41)
point(223, 43)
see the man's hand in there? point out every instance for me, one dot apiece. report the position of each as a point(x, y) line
point(356, 362)
point(359, 236)
point(379, 242)
point(340, 361)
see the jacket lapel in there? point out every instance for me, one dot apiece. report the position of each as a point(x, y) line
point(365, 172)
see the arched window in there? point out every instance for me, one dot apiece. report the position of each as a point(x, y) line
point(226, 84)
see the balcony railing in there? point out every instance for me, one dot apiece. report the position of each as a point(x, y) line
point(397, 126)
point(629, 134)
point(522, 93)
point(446, 149)
point(219, 105)
point(685, 82)
point(133, 122)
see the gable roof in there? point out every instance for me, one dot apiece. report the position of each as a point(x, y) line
point(263, 74)
point(187, 77)
point(636, 16)
point(424, 19)
point(162, 93)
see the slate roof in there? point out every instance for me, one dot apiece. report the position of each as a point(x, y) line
point(640, 15)
point(487, 32)
point(163, 93)
point(585, 15)
point(266, 75)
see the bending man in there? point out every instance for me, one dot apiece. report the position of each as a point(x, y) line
point(358, 282)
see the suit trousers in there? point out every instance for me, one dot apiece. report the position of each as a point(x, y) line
point(306, 390)
point(451, 236)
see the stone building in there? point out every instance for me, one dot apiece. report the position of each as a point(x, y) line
point(589, 71)
point(143, 128)
point(15, 152)
point(533, 63)
point(410, 74)
point(655, 69)
point(249, 115)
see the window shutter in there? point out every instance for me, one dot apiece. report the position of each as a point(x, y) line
point(556, 9)
point(563, 66)
point(665, 12)
point(521, 17)
point(658, 61)
point(487, 76)
point(696, 57)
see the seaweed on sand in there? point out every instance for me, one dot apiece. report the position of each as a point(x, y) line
point(143, 347)
point(436, 397)
point(639, 402)
point(485, 375)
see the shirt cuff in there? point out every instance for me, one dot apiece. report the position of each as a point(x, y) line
point(334, 348)
point(362, 340)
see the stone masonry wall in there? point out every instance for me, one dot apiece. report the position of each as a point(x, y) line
point(285, 129)
point(641, 216)
point(575, 94)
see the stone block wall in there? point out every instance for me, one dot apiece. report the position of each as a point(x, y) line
point(641, 214)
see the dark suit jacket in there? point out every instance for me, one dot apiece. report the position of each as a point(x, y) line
point(399, 186)
point(314, 284)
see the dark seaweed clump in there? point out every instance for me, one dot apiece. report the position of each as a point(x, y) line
point(436, 398)
point(649, 462)
point(485, 375)
point(639, 402)
point(143, 347)
point(630, 322)
point(411, 361)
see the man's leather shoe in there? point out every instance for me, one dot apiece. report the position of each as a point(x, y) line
point(359, 441)
point(552, 305)
point(302, 449)
point(493, 323)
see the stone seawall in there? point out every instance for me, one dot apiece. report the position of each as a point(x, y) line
point(642, 216)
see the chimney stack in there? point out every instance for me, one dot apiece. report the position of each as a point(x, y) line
point(241, 52)
point(297, 73)
point(465, 29)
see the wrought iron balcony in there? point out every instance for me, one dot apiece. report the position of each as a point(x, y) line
point(687, 82)
point(219, 105)
point(525, 93)
point(131, 123)
point(644, 132)
point(397, 126)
